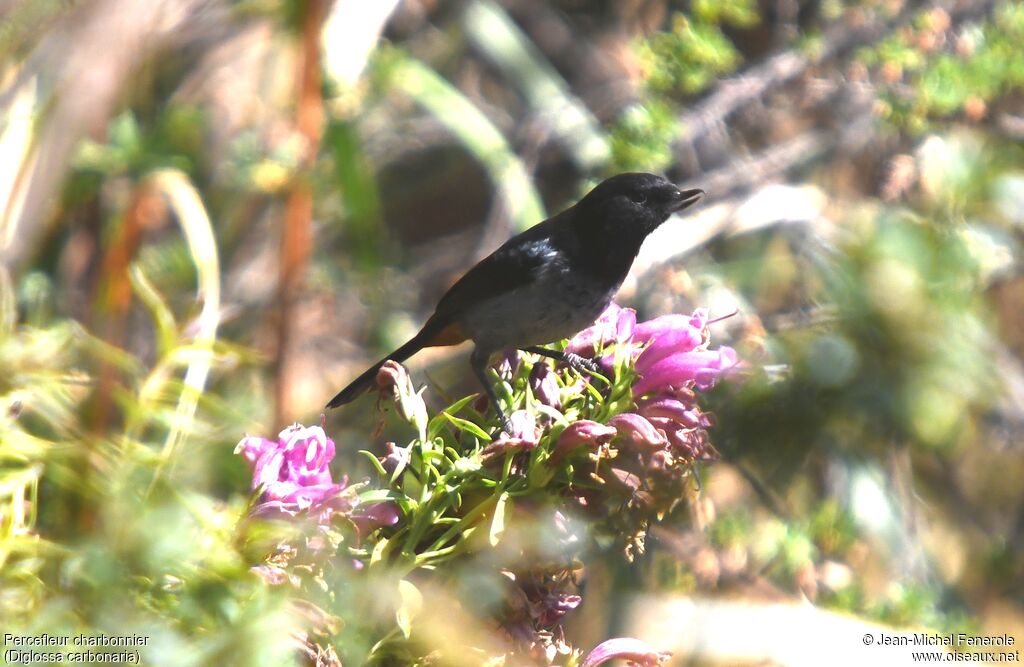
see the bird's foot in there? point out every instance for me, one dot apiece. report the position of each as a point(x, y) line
point(506, 428)
point(582, 364)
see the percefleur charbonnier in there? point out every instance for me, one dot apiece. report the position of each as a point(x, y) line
point(587, 457)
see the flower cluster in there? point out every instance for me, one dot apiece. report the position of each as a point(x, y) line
point(292, 474)
point(672, 361)
point(293, 477)
point(650, 446)
point(615, 454)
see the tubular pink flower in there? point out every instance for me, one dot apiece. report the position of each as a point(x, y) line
point(634, 651)
point(545, 386)
point(293, 472)
point(308, 451)
point(702, 367)
point(584, 433)
point(648, 331)
point(637, 429)
point(669, 408)
point(614, 325)
point(672, 335)
point(371, 516)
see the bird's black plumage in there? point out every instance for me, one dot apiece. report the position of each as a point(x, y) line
point(548, 282)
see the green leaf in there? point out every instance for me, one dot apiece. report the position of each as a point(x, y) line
point(163, 318)
point(438, 422)
point(378, 551)
point(467, 426)
point(374, 462)
point(411, 602)
point(498, 521)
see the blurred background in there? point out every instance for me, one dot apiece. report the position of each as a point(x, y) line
point(214, 213)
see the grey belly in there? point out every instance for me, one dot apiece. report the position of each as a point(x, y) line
point(546, 311)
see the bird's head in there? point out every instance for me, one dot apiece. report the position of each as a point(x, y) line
point(634, 203)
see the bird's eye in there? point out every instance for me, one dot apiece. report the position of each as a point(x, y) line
point(638, 198)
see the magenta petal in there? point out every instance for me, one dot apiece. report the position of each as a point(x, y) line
point(584, 433)
point(626, 648)
point(545, 386)
point(625, 325)
point(650, 330)
point(661, 406)
point(699, 366)
point(252, 448)
point(615, 324)
point(371, 516)
point(673, 341)
point(671, 409)
point(268, 469)
point(308, 453)
point(637, 429)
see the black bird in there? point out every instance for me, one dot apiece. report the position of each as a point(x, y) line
point(547, 283)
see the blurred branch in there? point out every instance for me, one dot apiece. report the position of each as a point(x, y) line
point(296, 235)
point(501, 41)
point(755, 82)
point(113, 299)
point(476, 131)
point(746, 172)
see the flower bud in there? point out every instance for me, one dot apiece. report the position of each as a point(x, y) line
point(584, 433)
point(545, 385)
point(392, 375)
point(637, 429)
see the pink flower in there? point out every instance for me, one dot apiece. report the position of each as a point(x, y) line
point(545, 386)
point(615, 325)
point(371, 516)
point(633, 651)
point(676, 369)
point(637, 429)
point(525, 436)
point(670, 334)
point(583, 433)
point(293, 472)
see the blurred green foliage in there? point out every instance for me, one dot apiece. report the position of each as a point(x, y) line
point(676, 64)
point(933, 77)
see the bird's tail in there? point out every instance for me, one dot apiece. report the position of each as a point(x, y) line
point(433, 333)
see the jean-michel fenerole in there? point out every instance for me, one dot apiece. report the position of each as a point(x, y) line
point(953, 639)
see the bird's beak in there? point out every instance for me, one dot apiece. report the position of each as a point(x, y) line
point(687, 198)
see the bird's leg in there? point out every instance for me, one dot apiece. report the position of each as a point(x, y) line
point(478, 362)
point(576, 362)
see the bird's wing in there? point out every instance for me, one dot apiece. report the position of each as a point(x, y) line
point(512, 265)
